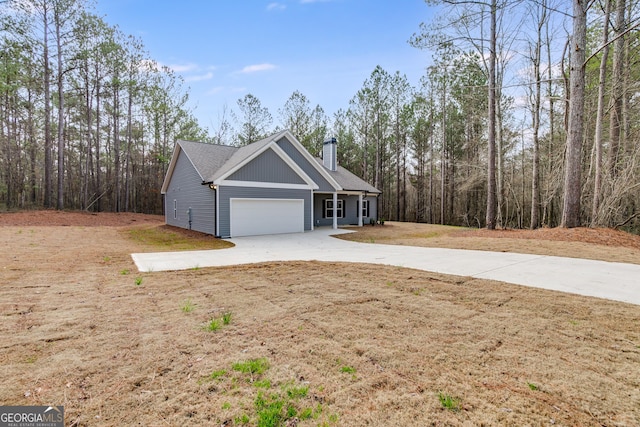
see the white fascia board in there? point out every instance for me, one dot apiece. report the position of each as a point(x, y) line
point(262, 184)
point(222, 180)
point(293, 140)
point(172, 165)
point(346, 193)
point(177, 150)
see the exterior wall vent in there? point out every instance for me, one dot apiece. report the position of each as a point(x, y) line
point(330, 154)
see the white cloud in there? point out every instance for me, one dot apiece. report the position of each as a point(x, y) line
point(198, 78)
point(257, 68)
point(276, 6)
point(218, 89)
point(182, 68)
point(215, 90)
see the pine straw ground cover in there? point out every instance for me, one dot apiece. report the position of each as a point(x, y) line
point(301, 343)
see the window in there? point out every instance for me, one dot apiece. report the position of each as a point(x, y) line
point(175, 209)
point(328, 208)
point(365, 208)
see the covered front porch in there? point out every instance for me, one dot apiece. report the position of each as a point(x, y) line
point(351, 208)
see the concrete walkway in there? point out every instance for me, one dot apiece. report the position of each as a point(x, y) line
point(614, 281)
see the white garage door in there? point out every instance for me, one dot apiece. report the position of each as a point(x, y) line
point(250, 217)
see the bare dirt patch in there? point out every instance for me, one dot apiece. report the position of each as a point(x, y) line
point(345, 344)
point(589, 243)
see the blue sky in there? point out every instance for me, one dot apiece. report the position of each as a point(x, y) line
point(225, 49)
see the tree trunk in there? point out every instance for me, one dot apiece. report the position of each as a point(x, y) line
point(535, 173)
point(60, 81)
point(491, 155)
point(48, 160)
point(597, 185)
point(615, 118)
point(575, 130)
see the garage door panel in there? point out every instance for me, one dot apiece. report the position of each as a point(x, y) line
point(250, 217)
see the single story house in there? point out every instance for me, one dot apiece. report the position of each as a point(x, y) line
point(269, 187)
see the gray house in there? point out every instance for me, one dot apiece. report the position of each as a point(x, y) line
point(269, 187)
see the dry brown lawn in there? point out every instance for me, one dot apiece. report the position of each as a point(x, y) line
point(341, 344)
point(589, 243)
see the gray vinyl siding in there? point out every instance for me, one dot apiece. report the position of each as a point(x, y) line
point(267, 167)
point(229, 192)
point(304, 164)
point(350, 208)
point(186, 189)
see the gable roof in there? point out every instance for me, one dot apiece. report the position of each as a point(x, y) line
point(347, 180)
point(239, 158)
point(214, 162)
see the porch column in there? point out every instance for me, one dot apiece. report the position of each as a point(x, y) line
point(335, 210)
point(360, 210)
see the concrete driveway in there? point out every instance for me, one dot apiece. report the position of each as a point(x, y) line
point(614, 281)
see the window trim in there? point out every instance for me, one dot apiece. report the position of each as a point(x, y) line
point(328, 211)
point(365, 208)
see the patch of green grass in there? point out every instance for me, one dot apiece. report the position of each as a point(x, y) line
point(138, 281)
point(305, 414)
point(213, 325)
point(226, 318)
point(188, 306)
point(217, 374)
point(164, 237)
point(106, 258)
point(297, 392)
point(270, 405)
point(262, 384)
point(533, 387)
point(252, 366)
point(31, 359)
point(243, 419)
point(269, 410)
point(449, 402)
point(124, 272)
point(348, 370)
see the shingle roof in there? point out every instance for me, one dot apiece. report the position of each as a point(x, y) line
point(348, 181)
point(212, 161)
point(207, 158)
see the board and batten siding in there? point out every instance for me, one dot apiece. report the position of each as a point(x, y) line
point(186, 190)
point(267, 167)
point(309, 169)
point(228, 192)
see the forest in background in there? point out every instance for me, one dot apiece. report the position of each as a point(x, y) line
point(527, 116)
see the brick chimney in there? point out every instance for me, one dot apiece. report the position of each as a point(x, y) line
point(330, 154)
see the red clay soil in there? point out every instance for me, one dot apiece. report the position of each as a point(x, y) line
point(76, 218)
point(598, 236)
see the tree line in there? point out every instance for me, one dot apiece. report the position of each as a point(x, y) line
point(88, 119)
point(517, 122)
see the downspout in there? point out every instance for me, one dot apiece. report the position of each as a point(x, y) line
point(215, 209)
point(214, 188)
